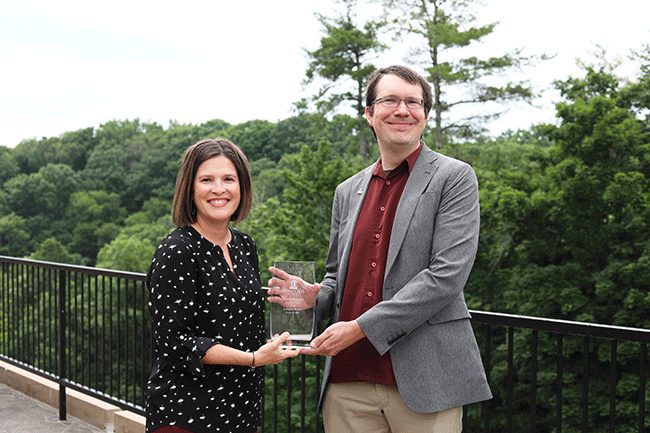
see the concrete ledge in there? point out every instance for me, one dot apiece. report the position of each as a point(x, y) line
point(84, 407)
point(91, 410)
point(37, 387)
point(129, 422)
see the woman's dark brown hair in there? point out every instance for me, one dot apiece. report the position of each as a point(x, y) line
point(183, 207)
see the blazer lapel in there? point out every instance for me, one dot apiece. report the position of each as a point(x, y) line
point(422, 173)
point(356, 196)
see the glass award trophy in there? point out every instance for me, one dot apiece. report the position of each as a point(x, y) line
point(293, 314)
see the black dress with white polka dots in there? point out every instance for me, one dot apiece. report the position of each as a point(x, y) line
point(196, 301)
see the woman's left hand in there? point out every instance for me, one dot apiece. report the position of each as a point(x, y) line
point(273, 352)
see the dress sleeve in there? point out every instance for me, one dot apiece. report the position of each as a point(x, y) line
point(172, 283)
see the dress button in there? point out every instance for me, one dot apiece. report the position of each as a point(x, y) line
point(377, 236)
point(382, 208)
point(373, 264)
point(388, 182)
point(369, 294)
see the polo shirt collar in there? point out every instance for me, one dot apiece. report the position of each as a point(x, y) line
point(407, 164)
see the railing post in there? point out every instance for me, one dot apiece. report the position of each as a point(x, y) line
point(560, 383)
point(585, 385)
point(612, 386)
point(62, 348)
point(642, 385)
point(510, 378)
point(533, 381)
point(485, 405)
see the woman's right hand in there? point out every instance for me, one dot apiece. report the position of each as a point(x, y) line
point(273, 353)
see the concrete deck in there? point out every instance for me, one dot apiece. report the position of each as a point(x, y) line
point(22, 414)
point(29, 404)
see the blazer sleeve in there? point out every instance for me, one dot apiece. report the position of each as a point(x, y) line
point(434, 291)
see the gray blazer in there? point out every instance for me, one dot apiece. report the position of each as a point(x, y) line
point(423, 319)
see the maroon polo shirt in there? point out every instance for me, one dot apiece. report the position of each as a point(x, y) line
point(365, 277)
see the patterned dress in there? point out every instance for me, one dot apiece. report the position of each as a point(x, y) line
point(196, 301)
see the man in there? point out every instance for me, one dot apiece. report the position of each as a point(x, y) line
point(402, 356)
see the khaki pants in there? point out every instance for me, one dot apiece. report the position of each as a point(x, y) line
point(360, 407)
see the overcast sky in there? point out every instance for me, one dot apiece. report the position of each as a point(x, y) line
point(67, 64)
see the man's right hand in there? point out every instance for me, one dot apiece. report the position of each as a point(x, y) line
point(279, 288)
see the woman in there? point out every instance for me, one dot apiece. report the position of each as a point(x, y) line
point(206, 303)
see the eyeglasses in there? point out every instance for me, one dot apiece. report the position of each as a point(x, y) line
point(394, 101)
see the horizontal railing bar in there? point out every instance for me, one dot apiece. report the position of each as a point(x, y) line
point(28, 367)
point(563, 326)
point(75, 268)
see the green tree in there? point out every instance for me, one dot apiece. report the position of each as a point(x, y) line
point(153, 211)
point(133, 248)
point(51, 250)
point(14, 239)
point(210, 129)
point(255, 139)
point(295, 225)
point(343, 59)
point(8, 165)
point(95, 217)
point(154, 173)
point(105, 170)
point(74, 147)
point(71, 148)
point(444, 28)
point(119, 153)
point(604, 148)
point(290, 134)
point(126, 253)
point(4, 206)
point(44, 193)
point(33, 154)
point(510, 172)
point(565, 235)
point(268, 181)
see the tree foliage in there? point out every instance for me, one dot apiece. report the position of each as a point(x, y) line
point(295, 224)
point(565, 229)
point(565, 215)
point(440, 32)
point(344, 57)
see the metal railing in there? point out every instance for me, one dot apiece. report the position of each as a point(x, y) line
point(88, 329)
point(85, 328)
point(554, 350)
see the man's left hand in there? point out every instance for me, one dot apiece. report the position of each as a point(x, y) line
point(335, 338)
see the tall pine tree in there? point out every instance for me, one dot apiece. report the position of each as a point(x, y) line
point(343, 59)
point(443, 27)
